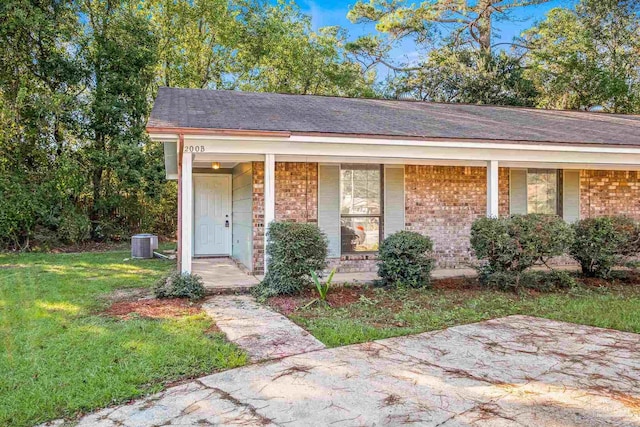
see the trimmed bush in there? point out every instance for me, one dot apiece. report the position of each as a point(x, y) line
point(603, 243)
point(507, 247)
point(405, 260)
point(294, 250)
point(547, 280)
point(180, 285)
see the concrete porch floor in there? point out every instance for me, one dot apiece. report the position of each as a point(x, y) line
point(223, 275)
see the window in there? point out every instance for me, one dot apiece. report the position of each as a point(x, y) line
point(360, 207)
point(544, 191)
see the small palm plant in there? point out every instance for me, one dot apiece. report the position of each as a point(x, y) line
point(323, 288)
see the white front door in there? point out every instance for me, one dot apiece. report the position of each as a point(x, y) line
point(212, 228)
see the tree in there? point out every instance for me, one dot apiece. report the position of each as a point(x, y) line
point(120, 52)
point(196, 41)
point(451, 75)
point(39, 82)
point(588, 57)
point(280, 53)
point(457, 59)
point(77, 79)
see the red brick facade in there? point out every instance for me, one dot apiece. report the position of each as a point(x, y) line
point(443, 201)
point(296, 200)
point(605, 192)
point(258, 216)
point(440, 201)
point(503, 191)
point(297, 192)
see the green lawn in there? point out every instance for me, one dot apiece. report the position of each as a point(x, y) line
point(60, 357)
point(381, 313)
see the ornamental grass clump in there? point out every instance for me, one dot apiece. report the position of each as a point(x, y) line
point(293, 251)
point(406, 260)
point(506, 247)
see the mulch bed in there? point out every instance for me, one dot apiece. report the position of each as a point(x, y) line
point(337, 297)
point(464, 287)
point(153, 308)
point(342, 296)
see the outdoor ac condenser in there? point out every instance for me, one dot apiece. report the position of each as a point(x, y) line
point(142, 246)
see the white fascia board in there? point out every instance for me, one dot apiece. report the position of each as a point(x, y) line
point(163, 137)
point(419, 150)
point(566, 147)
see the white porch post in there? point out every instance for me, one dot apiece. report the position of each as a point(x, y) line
point(186, 238)
point(269, 198)
point(492, 189)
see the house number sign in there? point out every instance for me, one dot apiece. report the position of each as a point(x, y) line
point(194, 148)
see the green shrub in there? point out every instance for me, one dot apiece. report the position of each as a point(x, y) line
point(506, 247)
point(293, 251)
point(405, 259)
point(603, 243)
point(180, 285)
point(547, 280)
point(75, 227)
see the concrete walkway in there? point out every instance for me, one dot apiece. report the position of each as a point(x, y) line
point(514, 371)
point(261, 332)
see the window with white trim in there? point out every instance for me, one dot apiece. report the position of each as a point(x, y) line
point(360, 208)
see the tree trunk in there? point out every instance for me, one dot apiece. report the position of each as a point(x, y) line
point(484, 26)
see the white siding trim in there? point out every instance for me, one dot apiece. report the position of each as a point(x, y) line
point(571, 199)
point(388, 225)
point(269, 198)
point(187, 207)
point(493, 189)
point(394, 150)
point(329, 209)
point(523, 197)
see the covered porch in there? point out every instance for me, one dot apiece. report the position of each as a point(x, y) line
point(362, 169)
point(431, 187)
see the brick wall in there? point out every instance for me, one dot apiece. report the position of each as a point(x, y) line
point(296, 200)
point(258, 217)
point(297, 192)
point(503, 191)
point(605, 192)
point(442, 202)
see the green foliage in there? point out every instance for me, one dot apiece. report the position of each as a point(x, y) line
point(453, 74)
point(603, 243)
point(507, 247)
point(405, 260)
point(587, 57)
point(293, 251)
point(459, 63)
point(76, 84)
point(547, 281)
point(323, 288)
point(404, 311)
point(180, 285)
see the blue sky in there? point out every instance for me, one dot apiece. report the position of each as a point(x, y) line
point(334, 12)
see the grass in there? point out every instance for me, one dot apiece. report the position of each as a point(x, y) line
point(60, 357)
point(382, 313)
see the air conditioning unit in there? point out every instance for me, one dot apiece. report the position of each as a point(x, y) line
point(143, 245)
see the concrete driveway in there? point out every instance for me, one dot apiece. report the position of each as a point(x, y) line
point(512, 371)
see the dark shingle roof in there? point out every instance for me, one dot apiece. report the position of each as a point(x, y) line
point(199, 108)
